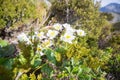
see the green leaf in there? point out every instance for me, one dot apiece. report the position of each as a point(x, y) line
point(50, 56)
point(36, 61)
point(75, 69)
point(3, 43)
point(7, 63)
point(46, 69)
point(68, 69)
point(7, 50)
point(60, 50)
point(32, 77)
point(24, 77)
point(22, 60)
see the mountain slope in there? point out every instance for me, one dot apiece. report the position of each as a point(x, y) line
point(112, 7)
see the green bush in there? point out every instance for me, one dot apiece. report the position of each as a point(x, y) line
point(63, 51)
point(62, 60)
point(20, 11)
point(116, 26)
point(6, 63)
point(114, 62)
point(83, 13)
point(109, 16)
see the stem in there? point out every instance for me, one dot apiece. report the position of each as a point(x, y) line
point(67, 16)
point(39, 67)
point(21, 73)
point(66, 45)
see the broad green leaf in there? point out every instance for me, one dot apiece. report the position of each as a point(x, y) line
point(7, 63)
point(46, 69)
point(36, 61)
point(7, 51)
point(3, 43)
point(50, 56)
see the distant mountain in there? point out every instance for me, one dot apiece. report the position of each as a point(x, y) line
point(112, 7)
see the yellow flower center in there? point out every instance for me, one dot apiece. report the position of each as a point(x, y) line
point(47, 43)
point(68, 36)
point(80, 33)
point(38, 48)
point(52, 33)
point(38, 34)
point(58, 27)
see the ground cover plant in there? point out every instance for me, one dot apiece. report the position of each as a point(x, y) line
point(66, 45)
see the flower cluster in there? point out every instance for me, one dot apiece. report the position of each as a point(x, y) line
point(23, 38)
point(46, 38)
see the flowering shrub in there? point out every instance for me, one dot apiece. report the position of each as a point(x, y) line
point(62, 32)
point(59, 52)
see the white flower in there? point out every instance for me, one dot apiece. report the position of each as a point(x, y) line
point(68, 28)
point(68, 37)
point(23, 38)
point(81, 32)
point(57, 26)
point(47, 43)
point(66, 25)
point(41, 53)
point(40, 35)
point(52, 34)
point(39, 50)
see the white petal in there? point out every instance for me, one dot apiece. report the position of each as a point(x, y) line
point(52, 34)
point(57, 26)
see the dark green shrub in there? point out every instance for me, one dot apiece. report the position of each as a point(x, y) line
point(109, 16)
point(116, 26)
point(7, 51)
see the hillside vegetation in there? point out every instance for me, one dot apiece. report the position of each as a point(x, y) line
point(57, 40)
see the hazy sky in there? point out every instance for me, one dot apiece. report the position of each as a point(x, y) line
point(105, 2)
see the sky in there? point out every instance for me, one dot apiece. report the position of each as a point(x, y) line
point(106, 2)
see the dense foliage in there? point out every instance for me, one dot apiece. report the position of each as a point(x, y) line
point(14, 12)
point(109, 16)
point(58, 53)
point(114, 42)
point(83, 13)
point(67, 47)
point(116, 26)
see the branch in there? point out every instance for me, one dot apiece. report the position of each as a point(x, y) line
point(21, 73)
